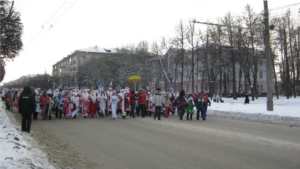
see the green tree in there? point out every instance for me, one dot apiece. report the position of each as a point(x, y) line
point(11, 29)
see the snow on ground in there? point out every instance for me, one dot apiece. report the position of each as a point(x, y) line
point(286, 111)
point(19, 150)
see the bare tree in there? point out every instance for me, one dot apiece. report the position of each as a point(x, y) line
point(228, 20)
point(180, 42)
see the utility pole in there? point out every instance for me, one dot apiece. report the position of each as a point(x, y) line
point(268, 59)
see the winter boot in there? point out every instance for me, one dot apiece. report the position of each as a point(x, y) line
point(187, 116)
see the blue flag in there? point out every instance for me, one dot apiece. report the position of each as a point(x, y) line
point(171, 86)
point(100, 85)
point(111, 85)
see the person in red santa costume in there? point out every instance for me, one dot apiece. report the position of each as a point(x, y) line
point(127, 101)
point(79, 94)
point(93, 103)
point(121, 103)
point(167, 102)
point(75, 102)
point(85, 103)
point(44, 102)
point(66, 104)
point(149, 105)
point(108, 105)
point(16, 101)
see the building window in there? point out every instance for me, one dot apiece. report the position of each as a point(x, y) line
point(205, 73)
point(205, 86)
point(261, 75)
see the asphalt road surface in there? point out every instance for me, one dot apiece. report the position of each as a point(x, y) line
point(143, 143)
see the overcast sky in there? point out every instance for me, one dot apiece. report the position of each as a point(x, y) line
point(70, 25)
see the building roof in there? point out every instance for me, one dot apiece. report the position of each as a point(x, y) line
point(97, 49)
point(94, 49)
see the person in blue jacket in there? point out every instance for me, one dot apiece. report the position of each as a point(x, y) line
point(204, 108)
point(199, 106)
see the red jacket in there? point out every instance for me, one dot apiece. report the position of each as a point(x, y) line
point(7, 96)
point(132, 98)
point(142, 98)
point(120, 106)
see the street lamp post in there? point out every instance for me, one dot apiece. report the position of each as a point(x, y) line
point(268, 59)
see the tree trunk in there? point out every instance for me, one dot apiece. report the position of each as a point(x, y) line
point(287, 66)
point(298, 61)
point(233, 64)
point(292, 62)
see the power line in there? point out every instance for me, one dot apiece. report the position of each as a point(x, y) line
point(294, 12)
point(51, 25)
point(64, 13)
point(281, 7)
point(44, 25)
point(230, 26)
point(55, 12)
point(285, 11)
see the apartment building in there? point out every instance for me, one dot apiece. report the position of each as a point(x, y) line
point(66, 69)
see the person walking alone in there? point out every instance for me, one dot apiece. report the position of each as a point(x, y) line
point(26, 108)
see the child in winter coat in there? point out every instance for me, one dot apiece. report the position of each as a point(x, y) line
point(204, 108)
point(190, 109)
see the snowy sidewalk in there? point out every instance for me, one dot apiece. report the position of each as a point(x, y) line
point(17, 148)
point(286, 111)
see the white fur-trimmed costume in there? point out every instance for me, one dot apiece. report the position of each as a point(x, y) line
point(102, 101)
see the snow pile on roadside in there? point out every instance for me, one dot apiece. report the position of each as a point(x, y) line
point(286, 111)
point(16, 152)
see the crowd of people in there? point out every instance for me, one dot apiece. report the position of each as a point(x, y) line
point(88, 103)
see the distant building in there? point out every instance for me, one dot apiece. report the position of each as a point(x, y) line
point(66, 69)
point(219, 68)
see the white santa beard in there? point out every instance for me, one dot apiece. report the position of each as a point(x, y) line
point(109, 94)
point(85, 96)
point(93, 97)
